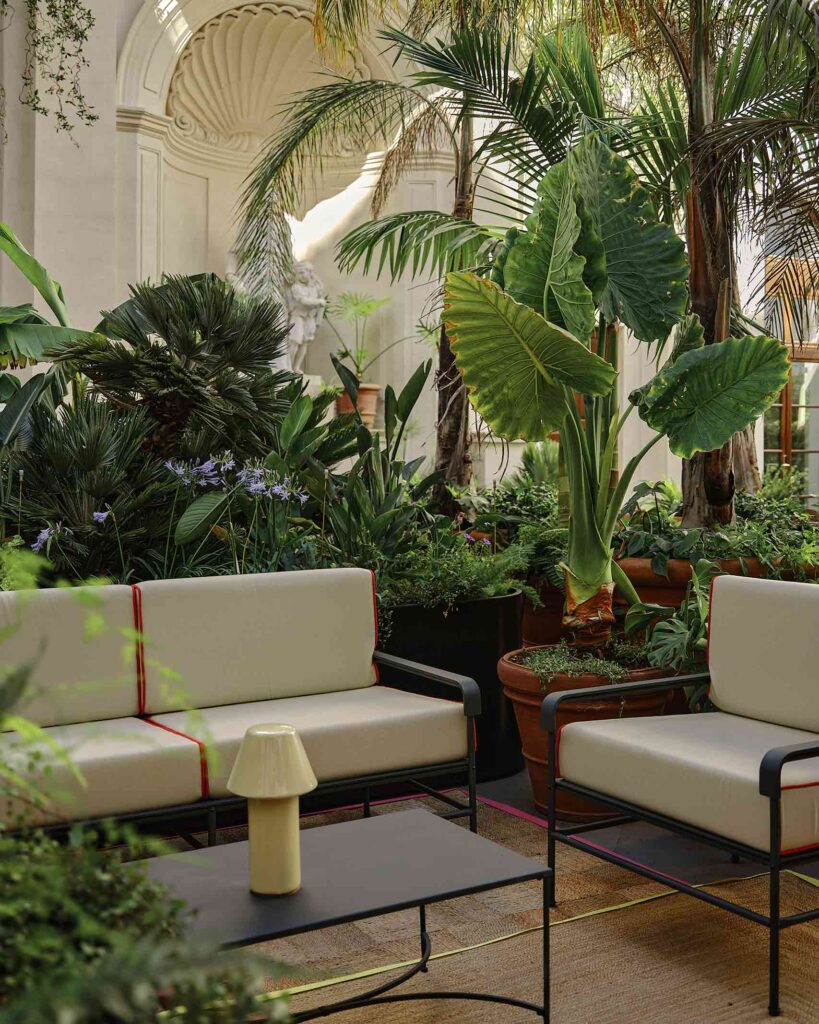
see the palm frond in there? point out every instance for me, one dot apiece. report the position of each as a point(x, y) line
point(528, 131)
point(421, 241)
point(344, 112)
point(424, 133)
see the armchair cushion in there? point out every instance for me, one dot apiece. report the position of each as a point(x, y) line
point(762, 650)
point(346, 734)
point(126, 765)
point(79, 674)
point(699, 769)
point(234, 639)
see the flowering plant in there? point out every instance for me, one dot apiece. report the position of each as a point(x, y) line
point(253, 508)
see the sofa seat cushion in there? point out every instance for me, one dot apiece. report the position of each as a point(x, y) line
point(126, 765)
point(345, 734)
point(699, 769)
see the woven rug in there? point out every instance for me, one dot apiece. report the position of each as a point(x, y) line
point(622, 952)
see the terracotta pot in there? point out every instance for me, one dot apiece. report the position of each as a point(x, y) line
point(524, 688)
point(671, 590)
point(367, 403)
point(543, 625)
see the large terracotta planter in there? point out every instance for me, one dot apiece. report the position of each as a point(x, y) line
point(524, 689)
point(670, 590)
point(367, 403)
point(543, 625)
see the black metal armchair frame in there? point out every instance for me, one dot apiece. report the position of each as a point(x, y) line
point(770, 785)
point(206, 812)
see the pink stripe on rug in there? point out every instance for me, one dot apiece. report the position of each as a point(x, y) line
point(514, 811)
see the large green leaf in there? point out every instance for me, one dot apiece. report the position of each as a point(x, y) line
point(542, 269)
point(514, 362)
point(19, 405)
point(34, 271)
point(204, 512)
point(646, 265)
point(32, 341)
point(707, 395)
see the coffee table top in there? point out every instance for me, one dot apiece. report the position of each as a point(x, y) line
point(350, 871)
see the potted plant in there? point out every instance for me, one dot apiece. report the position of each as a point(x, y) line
point(454, 601)
point(773, 535)
point(523, 343)
point(355, 309)
point(530, 673)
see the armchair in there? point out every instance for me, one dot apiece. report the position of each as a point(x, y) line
point(744, 778)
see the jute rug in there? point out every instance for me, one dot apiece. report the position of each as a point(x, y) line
point(622, 953)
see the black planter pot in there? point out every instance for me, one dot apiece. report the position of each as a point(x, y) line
point(469, 639)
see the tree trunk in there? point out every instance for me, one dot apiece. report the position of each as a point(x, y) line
point(746, 466)
point(453, 457)
point(708, 478)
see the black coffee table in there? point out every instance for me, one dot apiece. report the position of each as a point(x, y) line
point(351, 871)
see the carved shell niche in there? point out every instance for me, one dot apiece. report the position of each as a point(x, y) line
point(236, 71)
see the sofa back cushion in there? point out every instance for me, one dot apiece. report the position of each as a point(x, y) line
point(80, 642)
point(232, 639)
point(763, 650)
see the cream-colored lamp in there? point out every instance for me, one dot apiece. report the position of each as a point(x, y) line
point(272, 771)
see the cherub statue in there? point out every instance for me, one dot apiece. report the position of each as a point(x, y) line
point(306, 301)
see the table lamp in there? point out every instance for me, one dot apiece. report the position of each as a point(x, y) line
point(272, 771)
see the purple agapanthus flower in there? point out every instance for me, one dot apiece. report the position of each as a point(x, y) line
point(100, 517)
point(43, 538)
point(469, 537)
point(180, 469)
point(486, 541)
point(205, 474)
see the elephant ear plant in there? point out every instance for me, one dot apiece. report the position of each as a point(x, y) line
point(591, 254)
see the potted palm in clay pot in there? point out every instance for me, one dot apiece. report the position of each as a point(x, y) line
point(542, 332)
point(353, 359)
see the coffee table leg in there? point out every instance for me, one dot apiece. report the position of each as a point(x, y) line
point(422, 913)
point(547, 901)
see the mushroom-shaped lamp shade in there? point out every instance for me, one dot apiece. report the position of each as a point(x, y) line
point(271, 764)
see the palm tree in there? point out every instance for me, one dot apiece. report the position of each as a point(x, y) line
point(729, 139)
point(196, 355)
point(365, 113)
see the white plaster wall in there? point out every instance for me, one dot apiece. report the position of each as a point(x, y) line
point(59, 194)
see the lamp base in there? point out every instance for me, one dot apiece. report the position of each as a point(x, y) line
point(274, 846)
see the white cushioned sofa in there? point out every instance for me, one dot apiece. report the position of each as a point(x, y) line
point(150, 689)
point(744, 778)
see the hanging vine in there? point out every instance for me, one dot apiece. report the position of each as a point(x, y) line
point(56, 35)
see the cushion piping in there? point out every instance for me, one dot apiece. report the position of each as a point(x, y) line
point(203, 754)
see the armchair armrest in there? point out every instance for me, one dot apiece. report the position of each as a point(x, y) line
point(548, 711)
point(770, 770)
point(470, 692)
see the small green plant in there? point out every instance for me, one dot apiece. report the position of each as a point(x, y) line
point(676, 638)
point(445, 568)
point(612, 662)
point(355, 309)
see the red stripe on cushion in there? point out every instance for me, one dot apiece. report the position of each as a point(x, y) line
point(136, 594)
point(560, 729)
point(203, 754)
point(375, 620)
point(801, 849)
point(800, 785)
point(710, 621)
point(375, 610)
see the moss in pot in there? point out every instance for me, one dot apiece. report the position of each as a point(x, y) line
point(528, 674)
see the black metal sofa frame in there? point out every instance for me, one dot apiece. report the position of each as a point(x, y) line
point(770, 785)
